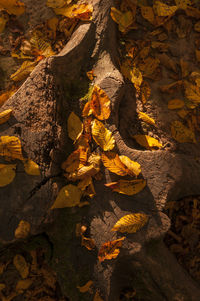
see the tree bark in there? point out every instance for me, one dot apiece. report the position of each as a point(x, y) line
point(41, 108)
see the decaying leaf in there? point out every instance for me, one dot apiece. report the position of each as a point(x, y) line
point(163, 10)
point(146, 118)
point(148, 13)
point(87, 242)
point(175, 104)
point(31, 168)
point(123, 19)
point(102, 136)
point(14, 7)
point(181, 133)
point(74, 126)
point(68, 196)
point(147, 141)
point(22, 230)
point(79, 11)
point(100, 104)
point(121, 165)
point(23, 285)
point(7, 174)
point(131, 223)
point(40, 45)
point(21, 265)
point(149, 66)
point(192, 92)
point(110, 249)
point(127, 187)
point(10, 147)
point(5, 116)
point(25, 69)
point(85, 288)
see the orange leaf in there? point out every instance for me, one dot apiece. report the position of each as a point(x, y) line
point(76, 160)
point(110, 249)
point(127, 187)
point(100, 104)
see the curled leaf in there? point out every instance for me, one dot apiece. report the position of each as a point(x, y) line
point(5, 115)
point(7, 174)
point(22, 230)
point(68, 196)
point(181, 133)
point(146, 118)
point(110, 249)
point(147, 141)
point(134, 168)
point(97, 297)
point(75, 126)
point(131, 223)
point(127, 187)
point(102, 136)
point(31, 168)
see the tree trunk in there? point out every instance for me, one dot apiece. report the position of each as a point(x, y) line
point(41, 108)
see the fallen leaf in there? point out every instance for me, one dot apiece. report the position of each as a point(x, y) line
point(76, 160)
point(181, 133)
point(110, 249)
point(163, 10)
point(192, 92)
point(184, 68)
point(102, 136)
point(197, 26)
point(68, 196)
point(85, 288)
point(136, 77)
point(7, 174)
point(21, 265)
point(183, 4)
point(40, 45)
point(127, 187)
point(171, 88)
point(167, 62)
point(183, 113)
point(87, 242)
point(14, 7)
point(90, 74)
point(5, 116)
point(5, 96)
point(175, 104)
point(23, 285)
point(149, 66)
point(22, 230)
point(10, 147)
point(24, 71)
point(148, 13)
point(145, 92)
point(85, 171)
point(146, 118)
point(147, 141)
point(74, 126)
point(2, 286)
point(90, 191)
point(31, 168)
point(3, 20)
point(123, 19)
point(57, 3)
point(100, 104)
point(97, 297)
point(134, 168)
point(80, 11)
point(131, 223)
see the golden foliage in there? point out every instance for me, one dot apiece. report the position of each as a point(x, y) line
point(31, 168)
point(123, 19)
point(6, 95)
point(5, 116)
point(21, 265)
point(146, 118)
point(127, 187)
point(76, 159)
point(22, 230)
point(192, 92)
point(68, 196)
point(110, 249)
point(181, 133)
point(24, 71)
point(147, 141)
point(100, 104)
point(131, 223)
point(134, 168)
point(102, 136)
point(14, 7)
point(79, 11)
point(10, 147)
point(40, 45)
point(7, 174)
point(74, 126)
point(145, 92)
point(163, 10)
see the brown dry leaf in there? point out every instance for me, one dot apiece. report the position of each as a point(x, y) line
point(97, 297)
point(87, 111)
point(123, 19)
point(160, 46)
point(146, 118)
point(22, 230)
point(175, 104)
point(163, 10)
point(148, 13)
point(23, 285)
point(110, 249)
point(102, 136)
point(85, 288)
point(182, 113)
point(7, 174)
point(131, 223)
point(57, 3)
point(127, 187)
point(68, 196)
point(181, 133)
point(14, 7)
point(3, 20)
point(100, 104)
point(10, 147)
point(82, 185)
point(171, 88)
point(52, 24)
point(168, 62)
point(183, 4)
point(76, 160)
point(24, 71)
point(197, 52)
point(184, 68)
point(79, 11)
point(87, 128)
point(5, 116)
point(145, 92)
point(21, 265)
point(149, 66)
point(147, 141)
point(87, 242)
point(31, 168)
point(90, 191)
point(40, 45)
point(74, 126)
point(192, 92)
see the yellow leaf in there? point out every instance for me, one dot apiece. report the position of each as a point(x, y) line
point(23, 285)
point(10, 146)
point(14, 7)
point(3, 21)
point(110, 249)
point(80, 11)
point(40, 45)
point(5, 115)
point(164, 10)
point(181, 133)
point(182, 4)
point(85, 288)
point(86, 185)
point(147, 141)
point(31, 168)
point(76, 159)
point(124, 20)
point(100, 104)
point(7, 174)
point(134, 168)
point(127, 187)
point(87, 242)
point(175, 104)
point(75, 126)
point(102, 136)
point(68, 196)
point(81, 173)
point(146, 118)
point(6, 95)
point(148, 13)
point(21, 265)
point(90, 191)
point(192, 92)
point(97, 297)
point(145, 91)
point(22, 230)
point(136, 77)
point(24, 71)
point(131, 223)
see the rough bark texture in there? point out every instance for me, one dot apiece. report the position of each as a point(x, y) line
point(41, 108)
